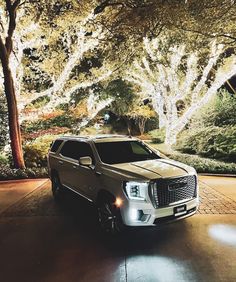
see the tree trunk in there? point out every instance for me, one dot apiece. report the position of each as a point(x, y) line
point(141, 125)
point(170, 136)
point(14, 128)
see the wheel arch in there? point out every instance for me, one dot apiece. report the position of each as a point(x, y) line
point(104, 194)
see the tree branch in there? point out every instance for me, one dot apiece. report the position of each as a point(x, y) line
point(11, 8)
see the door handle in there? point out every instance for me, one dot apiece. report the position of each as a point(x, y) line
point(98, 173)
point(74, 166)
point(60, 162)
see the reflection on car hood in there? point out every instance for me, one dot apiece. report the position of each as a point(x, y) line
point(154, 168)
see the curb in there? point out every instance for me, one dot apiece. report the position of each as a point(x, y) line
point(22, 180)
point(217, 175)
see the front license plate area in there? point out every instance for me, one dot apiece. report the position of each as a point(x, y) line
point(180, 210)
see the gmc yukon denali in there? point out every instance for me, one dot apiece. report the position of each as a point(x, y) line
point(130, 183)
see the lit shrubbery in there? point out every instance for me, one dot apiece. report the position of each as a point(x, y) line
point(203, 165)
point(7, 173)
point(58, 121)
point(35, 152)
point(212, 133)
point(157, 135)
point(214, 142)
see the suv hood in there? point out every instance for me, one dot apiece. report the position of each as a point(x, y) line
point(154, 168)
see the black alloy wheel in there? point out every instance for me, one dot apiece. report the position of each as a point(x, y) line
point(109, 217)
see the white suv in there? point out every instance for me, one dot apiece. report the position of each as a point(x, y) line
point(130, 183)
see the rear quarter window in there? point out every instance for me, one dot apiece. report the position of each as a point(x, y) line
point(56, 144)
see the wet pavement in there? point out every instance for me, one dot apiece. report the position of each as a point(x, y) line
point(43, 241)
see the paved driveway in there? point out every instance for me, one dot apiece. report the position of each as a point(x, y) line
point(41, 241)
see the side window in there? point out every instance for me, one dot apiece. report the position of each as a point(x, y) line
point(56, 144)
point(84, 150)
point(76, 150)
point(68, 149)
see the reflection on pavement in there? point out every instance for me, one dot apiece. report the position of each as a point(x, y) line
point(159, 268)
point(224, 232)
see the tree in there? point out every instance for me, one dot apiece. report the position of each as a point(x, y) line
point(175, 79)
point(75, 30)
point(140, 114)
point(122, 95)
point(11, 59)
point(6, 48)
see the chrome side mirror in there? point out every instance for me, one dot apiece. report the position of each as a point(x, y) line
point(85, 161)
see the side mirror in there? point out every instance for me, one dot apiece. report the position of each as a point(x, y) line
point(85, 161)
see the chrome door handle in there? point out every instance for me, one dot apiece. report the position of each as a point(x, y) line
point(60, 162)
point(98, 173)
point(74, 166)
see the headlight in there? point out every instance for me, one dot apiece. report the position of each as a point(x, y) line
point(136, 190)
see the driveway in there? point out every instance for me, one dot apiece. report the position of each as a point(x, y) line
point(42, 241)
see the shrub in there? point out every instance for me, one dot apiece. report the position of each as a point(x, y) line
point(203, 165)
point(220, 111)
point(35, 152)
point(157, 135)
point(214, 142)
point(3, 159)
point(7, 173)
point(58, 121)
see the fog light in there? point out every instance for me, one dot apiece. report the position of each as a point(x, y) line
point(133, 214)
point(118, 202)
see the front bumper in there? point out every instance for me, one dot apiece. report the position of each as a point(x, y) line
point(135, 213)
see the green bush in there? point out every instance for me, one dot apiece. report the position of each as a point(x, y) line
point(203, 165)
point(220, 111)
point(7, 173)
point(35, 152)
point(58, 121)
point(157, 135)
point(214, 142)
point(3, 159)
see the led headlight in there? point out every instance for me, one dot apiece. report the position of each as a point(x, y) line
point(136, 190)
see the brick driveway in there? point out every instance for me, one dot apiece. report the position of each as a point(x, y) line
point(214, 202)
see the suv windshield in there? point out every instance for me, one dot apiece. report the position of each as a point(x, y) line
point(124, 152)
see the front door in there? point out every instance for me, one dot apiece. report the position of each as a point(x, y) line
point(84, 180)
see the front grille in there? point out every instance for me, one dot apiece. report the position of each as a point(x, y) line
point(170, 190)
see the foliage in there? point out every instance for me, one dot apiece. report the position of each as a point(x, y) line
point(212, 132)
point(50, 131)
point(171, 77)
point(58, 121)
point(35, 152)
point(220, 111)
point(140, 113)
point(157, 135)
point(3, 122)
point(7, 173)
point(123, 96)
point(203, 165)
point(213, 142)
point(3, 159)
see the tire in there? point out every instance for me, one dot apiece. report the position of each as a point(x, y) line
point(57, 189)
point(109, 217)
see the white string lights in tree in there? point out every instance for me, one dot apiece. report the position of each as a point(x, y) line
point(62, 89)
point(181, 79)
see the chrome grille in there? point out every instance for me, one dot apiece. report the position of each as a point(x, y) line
point(168, 191)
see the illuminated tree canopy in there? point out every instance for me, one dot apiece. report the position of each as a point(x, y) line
point(177, 52)
point(172, 77)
